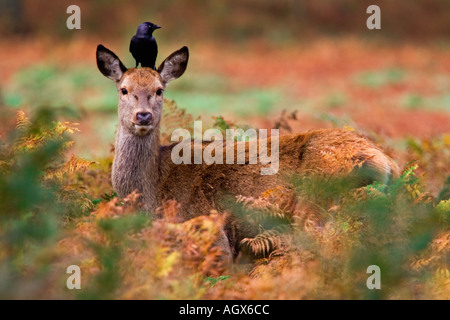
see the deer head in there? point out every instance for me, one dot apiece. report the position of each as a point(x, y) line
point(141, 90)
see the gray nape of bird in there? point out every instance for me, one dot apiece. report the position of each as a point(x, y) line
point(143, 45)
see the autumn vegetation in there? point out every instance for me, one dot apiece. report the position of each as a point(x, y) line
point(59, 210)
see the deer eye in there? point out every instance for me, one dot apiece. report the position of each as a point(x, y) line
point(124, 91)
point(159, 92)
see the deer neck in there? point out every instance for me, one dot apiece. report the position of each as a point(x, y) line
point(136, 166)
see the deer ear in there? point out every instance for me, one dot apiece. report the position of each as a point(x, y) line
point(109, 64)
point(174, 65)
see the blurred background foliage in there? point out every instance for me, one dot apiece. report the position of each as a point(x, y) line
point(283, 20)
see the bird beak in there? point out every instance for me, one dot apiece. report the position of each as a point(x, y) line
point(157, 27)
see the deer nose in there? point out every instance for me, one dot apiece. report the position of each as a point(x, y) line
point(143, 118)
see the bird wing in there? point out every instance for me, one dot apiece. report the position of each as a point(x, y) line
point(142, 43)
point(144, 50)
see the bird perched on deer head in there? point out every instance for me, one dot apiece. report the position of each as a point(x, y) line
point(143, 45)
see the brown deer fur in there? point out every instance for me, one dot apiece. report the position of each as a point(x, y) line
point(142, 164)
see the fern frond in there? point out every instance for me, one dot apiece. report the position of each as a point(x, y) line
point(22, 120)
point(276, 203)
point(66, 126)
point(264, 243)
point(74, 164)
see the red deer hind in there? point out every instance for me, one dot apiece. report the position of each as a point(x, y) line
point(142, 163)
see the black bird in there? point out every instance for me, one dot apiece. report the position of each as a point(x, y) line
point(143, 45)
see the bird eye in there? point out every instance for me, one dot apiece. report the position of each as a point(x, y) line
point(159, 92)
point(124, 91)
